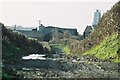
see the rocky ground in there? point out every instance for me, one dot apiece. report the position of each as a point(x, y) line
point(64, 70)
point(60, 66)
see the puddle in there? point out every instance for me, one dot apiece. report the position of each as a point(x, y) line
point(34, 56)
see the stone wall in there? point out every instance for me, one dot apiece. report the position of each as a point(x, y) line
point(87, 31)
point(33, 34)
point(47, 33)
point(50, 29)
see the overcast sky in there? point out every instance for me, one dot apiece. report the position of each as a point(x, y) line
point(67, 14)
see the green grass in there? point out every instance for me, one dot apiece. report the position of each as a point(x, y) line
point(9, 50)
point(57, 45)
point(67, 50)
point(107, 49)
point(54, 46)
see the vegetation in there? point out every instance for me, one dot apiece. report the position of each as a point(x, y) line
point(108, 25)
point(103, 43)
point(57, 48)
point(10, 51)
point(15, 41)
point(14, 46)
point(57, 45)
point(67, 50)
point(107, 49)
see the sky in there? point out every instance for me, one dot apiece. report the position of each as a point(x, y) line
point(60, 13)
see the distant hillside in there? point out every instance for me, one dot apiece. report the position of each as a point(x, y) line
point(109, 25)
point(16, 45)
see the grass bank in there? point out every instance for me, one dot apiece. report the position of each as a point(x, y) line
point(107, 50)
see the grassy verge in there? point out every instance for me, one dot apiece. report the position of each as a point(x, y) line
point(67, 50)
point(57, 45)
point(61, 46)
point(107, 49)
